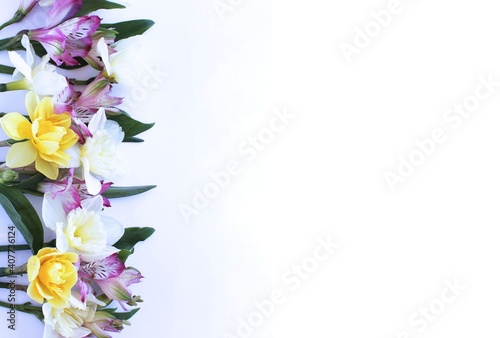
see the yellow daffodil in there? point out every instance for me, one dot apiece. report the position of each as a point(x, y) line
point(48, 137)
point(52, 274)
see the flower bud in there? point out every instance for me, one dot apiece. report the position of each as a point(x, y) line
point(8, 175)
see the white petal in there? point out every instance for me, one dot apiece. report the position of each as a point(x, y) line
point(48, 83)
point(116, 132)
point(93, 184)
point(20, 65)
point(52, 212)
point(102, 50)
point(94, 256)
point(30, 53)
point(94, 204)
point(114, 229)
point(61, 240)
point(98, 121)
point(74, 154)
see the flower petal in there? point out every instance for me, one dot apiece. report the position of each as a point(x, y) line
point(21, 154)
point(20, 65)
point(102, 49)
point(31, 103)
point(49, 169)
point(114, 229)
point(30, 52)
point(46, 83)
point(93, 184)
point(52, 211)
point(16, 126)
point(98, 121)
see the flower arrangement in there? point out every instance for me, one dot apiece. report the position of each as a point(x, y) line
point(62, 148)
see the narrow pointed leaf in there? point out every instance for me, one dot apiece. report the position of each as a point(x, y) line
point(23, 215)
point(94, 5)
point(125, 315)
point(117, 192)
point(128, 29)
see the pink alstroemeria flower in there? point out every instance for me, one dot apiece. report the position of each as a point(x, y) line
point(105, 322)
point(62, 10)
point(68, 40)
point(83, 105)
point(111, 276)
point(27, 5)
point(72, 191)
point(93, 58)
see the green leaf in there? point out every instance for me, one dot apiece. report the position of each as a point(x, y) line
point(94, 5)
point(132, 236)
point(125, 315)
point(128, 29)
point(123, 255)
point(117, 192)
point(130, 126)
point(31, 182)
point(23, 215)
point(133, 140)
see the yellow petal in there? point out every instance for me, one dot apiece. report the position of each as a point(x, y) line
point(16, 126)
point(31, 103)
point(34, 294)
point(21, 154)
point(33, 267)
point(50, 170)
point(44, 109)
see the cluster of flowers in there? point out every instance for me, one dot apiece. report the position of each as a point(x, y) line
point(64, 149)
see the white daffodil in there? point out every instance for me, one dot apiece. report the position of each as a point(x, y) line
point(83, 230)
point(98, 157)
point(68, 322)
point(117, 65)
point(40, 78)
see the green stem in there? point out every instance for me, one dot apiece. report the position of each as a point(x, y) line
point(18, 270)
point(18, 16)
point(14, 42)
point(26, 307)
point(17, 287)
point(7, 69)
point(23, 247)
point(81, 82)
point(4, 143)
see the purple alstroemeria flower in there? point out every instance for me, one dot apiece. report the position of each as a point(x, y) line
point(72, 191)
point(111, 276)
point(62, 10)
point(83, 105)
point(68, 40)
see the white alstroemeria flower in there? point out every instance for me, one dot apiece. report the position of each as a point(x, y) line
point(40, 78)
point(98, 156)
point(117, 65)
point(68, 322)
point(83, 230)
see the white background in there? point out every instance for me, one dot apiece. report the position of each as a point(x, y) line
point(322, 176)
